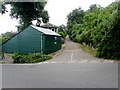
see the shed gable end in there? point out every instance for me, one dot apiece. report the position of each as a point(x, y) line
point(24, 42)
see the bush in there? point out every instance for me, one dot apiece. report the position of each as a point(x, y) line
point(30, 58)
point(109, 47)
point(62, 34)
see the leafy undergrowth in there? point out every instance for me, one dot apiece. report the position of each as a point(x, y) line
point(87, 49)
point(30, 58)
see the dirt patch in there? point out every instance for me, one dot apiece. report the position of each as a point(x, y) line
point(7, 58)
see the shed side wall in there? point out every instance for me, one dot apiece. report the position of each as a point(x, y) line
point(52, 44)
point(28, 41)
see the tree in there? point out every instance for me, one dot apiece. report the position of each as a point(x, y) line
point(3, 39)
point(100, 29)
point(76, 16)
point(109, 47)
point(93, 6)
point(26, 12)
point(62, 28)
point(5, 36)
point(2, 8)
point(9, 34)
point(62, 31)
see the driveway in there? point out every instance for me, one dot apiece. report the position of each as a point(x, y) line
point(72, 68)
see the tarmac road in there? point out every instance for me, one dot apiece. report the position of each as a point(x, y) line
point(72, 53)
point(73, 68)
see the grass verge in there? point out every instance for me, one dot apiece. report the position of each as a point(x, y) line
point(87, 49)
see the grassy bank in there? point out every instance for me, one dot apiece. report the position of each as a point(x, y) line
point(87, 49)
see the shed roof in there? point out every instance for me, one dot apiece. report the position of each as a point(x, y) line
point(45, 31)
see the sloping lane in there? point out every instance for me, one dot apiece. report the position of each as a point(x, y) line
point(72, 53)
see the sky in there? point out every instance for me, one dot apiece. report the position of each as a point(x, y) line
point(57, 9)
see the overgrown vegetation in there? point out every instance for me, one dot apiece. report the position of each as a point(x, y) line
point(30, 58)
point(88, 49)
point(5, 36)
point(62, 31)
point(98, 28)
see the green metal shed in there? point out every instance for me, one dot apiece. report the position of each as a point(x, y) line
point(33, 39)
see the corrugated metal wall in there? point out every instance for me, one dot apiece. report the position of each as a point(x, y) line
point(28, 41)
point(59, 43)
point(31, 41)
point(52, 44)
point(10, 46)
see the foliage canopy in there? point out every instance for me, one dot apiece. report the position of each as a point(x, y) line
point(26, 12)
point(100, 29)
